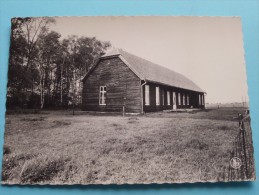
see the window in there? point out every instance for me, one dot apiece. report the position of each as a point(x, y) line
point(157, 96)
point(147, 100)
point(163, 97)
point(183, 99)
point(102, 95)
point(188, 100)
point(179, 99)
point(168, 98)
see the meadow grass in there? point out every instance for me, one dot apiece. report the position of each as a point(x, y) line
point(60, 148)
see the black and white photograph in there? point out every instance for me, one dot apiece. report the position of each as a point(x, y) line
point(127, 100)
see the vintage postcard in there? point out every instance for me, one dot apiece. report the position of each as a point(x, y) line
point(127, 100)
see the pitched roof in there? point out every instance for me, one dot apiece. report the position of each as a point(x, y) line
point(152, 72)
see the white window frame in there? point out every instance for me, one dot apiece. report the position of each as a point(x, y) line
point(102, 95)
point(179, 99)
point(147, 95)
point(188, 100)
point(157, 96)
point(168, 98)
point(183, 99)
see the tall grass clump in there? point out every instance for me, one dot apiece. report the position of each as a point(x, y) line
point(42, 168)
point(11, 162)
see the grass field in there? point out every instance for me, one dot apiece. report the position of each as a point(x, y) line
point(56, 147)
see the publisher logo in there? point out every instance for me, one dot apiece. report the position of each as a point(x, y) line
point(235, 163)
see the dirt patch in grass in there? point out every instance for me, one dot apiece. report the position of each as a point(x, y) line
point(111, 140)
point(127, 147)
point(133, 120)
point(226, 127)
point(117, 126)
point(197, 144)
point(33, 119)
point(58, 123)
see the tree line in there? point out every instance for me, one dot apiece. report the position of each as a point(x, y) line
point(45, 70)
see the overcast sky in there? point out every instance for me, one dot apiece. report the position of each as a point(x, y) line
point(208, 50)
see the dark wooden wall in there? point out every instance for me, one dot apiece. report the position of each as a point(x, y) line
point(123, 87)
point(194, 98)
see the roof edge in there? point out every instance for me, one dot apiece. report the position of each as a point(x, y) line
point(131, 68)
point(91, 69)
point(174, 86)
point(111, 56)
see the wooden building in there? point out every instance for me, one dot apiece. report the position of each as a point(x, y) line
point(120, 80)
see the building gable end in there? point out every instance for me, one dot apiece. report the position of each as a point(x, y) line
point(121, 58)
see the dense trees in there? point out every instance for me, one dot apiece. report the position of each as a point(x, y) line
point(45, 71)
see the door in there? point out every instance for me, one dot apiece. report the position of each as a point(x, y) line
point(174, 101)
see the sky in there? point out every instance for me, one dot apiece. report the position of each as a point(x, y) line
point(207, 50)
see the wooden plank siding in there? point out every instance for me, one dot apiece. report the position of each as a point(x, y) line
point(193, 98)
point(123, 87)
